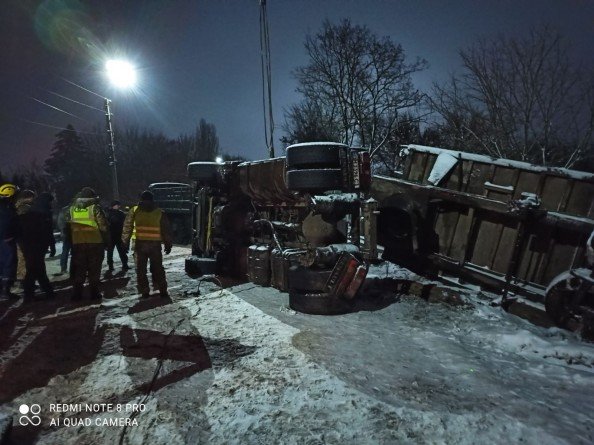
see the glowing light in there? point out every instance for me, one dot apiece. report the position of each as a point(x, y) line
point(120, 73)
point(219, 160)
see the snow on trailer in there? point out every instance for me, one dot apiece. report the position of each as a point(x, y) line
point(510, 163)
point(508, 225)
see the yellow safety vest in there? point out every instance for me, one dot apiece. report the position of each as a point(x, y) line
point(83, 226)
point(147, 225)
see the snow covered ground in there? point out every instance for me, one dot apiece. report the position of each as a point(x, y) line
point(238, 366)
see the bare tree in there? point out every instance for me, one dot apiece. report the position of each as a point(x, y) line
point(520, 99)
point(405, 130)
point(206, 142)
point(360, 80)
point(309, 121)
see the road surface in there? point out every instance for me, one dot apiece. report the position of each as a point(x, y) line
point(236, 365)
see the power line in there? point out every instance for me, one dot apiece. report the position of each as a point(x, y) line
point(82, 88)
point(75, 101)
point(58, 128)
point(58, 109)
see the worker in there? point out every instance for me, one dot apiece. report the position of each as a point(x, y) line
point(90, 237)
point(24, 200)
point(64, 228)
point(149, 227)
point(116, 218)
point(36, 237)
point(8, 233)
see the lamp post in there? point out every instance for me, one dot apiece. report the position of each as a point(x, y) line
point(122, 75)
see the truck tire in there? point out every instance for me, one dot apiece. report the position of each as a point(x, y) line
point(314, 180)
point(206, 172)
point(318, 303)
point(303, 279)
point(558, 300)
point(196, 267)
point(313, 155)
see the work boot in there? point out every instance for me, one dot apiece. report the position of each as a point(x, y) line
point(95, 293)
point(3, 292)
point(29, 293)
point(125, 268)
point(110, 267)
point(77, 293)
point(48, 290)
point(5, 287)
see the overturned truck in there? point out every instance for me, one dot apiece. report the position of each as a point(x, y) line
point(310, 222)
point(293, 223)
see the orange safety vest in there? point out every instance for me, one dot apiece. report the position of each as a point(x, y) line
point(83, 226)
point(147, 225)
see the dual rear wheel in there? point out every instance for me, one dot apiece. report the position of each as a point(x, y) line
point(315, 167)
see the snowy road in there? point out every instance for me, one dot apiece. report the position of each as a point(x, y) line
point(238, 366)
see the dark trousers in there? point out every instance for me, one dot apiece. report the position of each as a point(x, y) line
point(8, 261)
point(66, 248)
point(145, 251)
point(86, 261)
point(35, 264)
point(117, 244)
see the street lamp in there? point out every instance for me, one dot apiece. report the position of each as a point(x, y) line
point(121, 74)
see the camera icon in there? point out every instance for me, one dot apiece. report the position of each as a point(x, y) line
point(29, 414)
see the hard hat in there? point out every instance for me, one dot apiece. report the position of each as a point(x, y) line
point(7, 190)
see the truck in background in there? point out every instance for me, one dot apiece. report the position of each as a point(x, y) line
point(176, 200)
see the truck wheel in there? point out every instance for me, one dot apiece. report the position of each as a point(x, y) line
point(205, 172)
point(196, 266)
point(303, 279)
point(314, 155)
point(314, 180)
point(318, 303)
point(558, 300)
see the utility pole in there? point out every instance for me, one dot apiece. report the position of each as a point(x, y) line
point(266, 79)
point(111, 146)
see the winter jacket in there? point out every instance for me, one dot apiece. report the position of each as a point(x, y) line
point(9, 228)
point(23, 205)
point(98, 236)
point(164, 226)
point(62, 222)
point(42, 208)
point(36, 228)
point(116, 220)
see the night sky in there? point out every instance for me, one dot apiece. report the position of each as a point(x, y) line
point(201, 59)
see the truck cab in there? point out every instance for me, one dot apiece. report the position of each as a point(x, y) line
point(291, 222)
